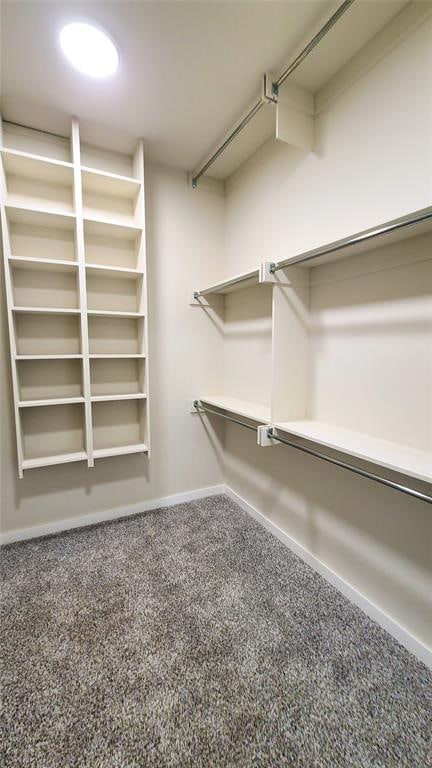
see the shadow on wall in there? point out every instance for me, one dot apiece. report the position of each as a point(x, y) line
point(374, 537)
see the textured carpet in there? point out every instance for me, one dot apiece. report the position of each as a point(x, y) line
point(190, 637)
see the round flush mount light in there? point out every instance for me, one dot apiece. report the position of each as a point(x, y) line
point(89, 49)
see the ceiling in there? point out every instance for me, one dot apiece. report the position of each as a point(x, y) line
point(188, 68)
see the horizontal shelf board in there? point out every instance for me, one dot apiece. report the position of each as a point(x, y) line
point(106, 226)
point(119, 356)
point(416, 223)
point(114, 272)
point(46, 311)
point(21, 214)
point(37, 167)
point(48, 357)
point(61, 458)
point(50, 401)
point(113, 313)
point(108, 398)
point(120, 450)
point(55, 265)
point(237, 283)
point(259, 413)
point(393, 456)
point(103, 182)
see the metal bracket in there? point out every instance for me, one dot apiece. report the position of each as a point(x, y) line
point(269, 272)
point(263, 438)
point(194, 406)
point(195, 300)
point(269, 89)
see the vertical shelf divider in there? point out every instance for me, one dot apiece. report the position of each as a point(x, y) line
point(9, 304)
point(80, 252)
point(138, 169)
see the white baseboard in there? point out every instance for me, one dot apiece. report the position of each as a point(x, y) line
point(391, 626)
point(401, 634)
point(57, 526)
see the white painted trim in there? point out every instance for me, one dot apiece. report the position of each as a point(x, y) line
point(385, 621)
point(47, 529)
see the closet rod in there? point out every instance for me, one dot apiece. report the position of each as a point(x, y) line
point(361, 237)
point(200, 408)
point(352, 468)
point(262, 101)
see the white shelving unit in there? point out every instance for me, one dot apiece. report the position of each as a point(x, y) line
point(323, 303)
point(73, 229)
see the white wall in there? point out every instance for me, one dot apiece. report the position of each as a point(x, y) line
point(185, 241)
point(373, 163)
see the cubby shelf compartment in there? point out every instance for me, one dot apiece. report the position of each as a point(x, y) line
point(119, 426)
point(389, 455)
point(53, 434)
point(44, 284)
point(75, 272)
point(38, 182)
point(253, 411)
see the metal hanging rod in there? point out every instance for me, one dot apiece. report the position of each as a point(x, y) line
point(275, 86)
point(200, 408)
point(317, 454)
point(361, 237)
point(352, 468)
point(315, 40)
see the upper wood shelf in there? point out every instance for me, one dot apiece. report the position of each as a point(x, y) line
point(114, 272)
point(253, 411)
point(49, 310)
point(36, 167)
point(58, 265)
point(413, 224)
point(22, 214)
point(237, 283)
point(111, 226)
point(393, 456)
point(106, 183)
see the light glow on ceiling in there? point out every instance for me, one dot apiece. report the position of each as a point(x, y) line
point(89, 49)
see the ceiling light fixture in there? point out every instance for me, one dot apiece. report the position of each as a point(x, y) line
point(89, 49)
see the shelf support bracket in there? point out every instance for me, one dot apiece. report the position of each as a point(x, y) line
point(263, 438)
point(295, 117)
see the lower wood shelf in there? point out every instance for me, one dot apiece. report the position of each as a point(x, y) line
point(259, 413)
point(50, 401)
point(50, 459)
point(120, 450)
point(128, 396)
point(394, 456)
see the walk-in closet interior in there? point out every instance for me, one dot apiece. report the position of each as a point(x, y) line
point(216, 383)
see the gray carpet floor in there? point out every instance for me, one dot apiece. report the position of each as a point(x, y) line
point(190, 637)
